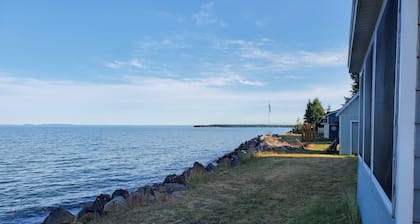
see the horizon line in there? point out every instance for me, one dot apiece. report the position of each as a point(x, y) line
point(216, 124)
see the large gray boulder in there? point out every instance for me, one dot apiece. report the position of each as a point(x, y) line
point(173, 187)
point(115, 205)
point(99, 203)
point(86, 215)
point(121, 192)
point(223, 161)
point(60, 216)
point(173, 178)
point(210, 167)
point(196, 169)
point(234, 160)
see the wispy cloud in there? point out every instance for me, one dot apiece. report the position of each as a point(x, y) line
point(225, 81)
point(215, 81)
point(328, 57)
point(133, 63)
point(205, 16)
point(163, 44)
point(207, 6)
point(261, 22)
point(261, 55)
point(294, 77)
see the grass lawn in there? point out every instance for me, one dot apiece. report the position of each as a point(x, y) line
point(269, 188)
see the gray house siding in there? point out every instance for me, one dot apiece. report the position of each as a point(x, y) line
point(416, 206)
point(352, 109)
point(345, 129)
point(347, 115)
point(372, 209)
point(389, 64)
point(378, 81)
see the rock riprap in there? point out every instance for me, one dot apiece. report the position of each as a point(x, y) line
point(172, 186)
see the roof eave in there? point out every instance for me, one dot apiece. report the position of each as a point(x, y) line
point(347, 104)
point(363, 22)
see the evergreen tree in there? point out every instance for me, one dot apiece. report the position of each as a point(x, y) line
point(308, 113)
point(314, 112)
point(318, 111)
point(355, 85)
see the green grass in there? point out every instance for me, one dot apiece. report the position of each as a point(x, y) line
point(196, 178)
point(268, 189)
point(341, 210)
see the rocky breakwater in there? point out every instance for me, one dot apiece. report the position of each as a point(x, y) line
point(172, 186)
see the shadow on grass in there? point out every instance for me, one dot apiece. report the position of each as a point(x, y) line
point(268, 188)
point(338, 211)
point(302, 154)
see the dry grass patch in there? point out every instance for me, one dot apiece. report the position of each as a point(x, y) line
point(266, 189)
point(318, 145)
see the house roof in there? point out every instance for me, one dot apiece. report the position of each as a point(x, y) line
point(348, 104)
point(363, 21)
point(332, 112)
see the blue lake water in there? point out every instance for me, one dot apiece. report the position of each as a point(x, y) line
point(42, 167)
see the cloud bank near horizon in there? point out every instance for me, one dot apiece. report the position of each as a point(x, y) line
point(147, 100)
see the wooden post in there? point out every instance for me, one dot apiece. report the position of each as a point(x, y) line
point(308, 133)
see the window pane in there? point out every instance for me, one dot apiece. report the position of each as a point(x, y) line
point(361, 106)
point(368, 109)
point(384, 97)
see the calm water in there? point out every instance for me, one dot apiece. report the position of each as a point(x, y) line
point(44, 167)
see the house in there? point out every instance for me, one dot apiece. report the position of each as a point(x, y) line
point(383, 49)
point(349, 126)
point(330, 126)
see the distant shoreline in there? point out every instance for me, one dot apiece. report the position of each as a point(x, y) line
point(245, 126)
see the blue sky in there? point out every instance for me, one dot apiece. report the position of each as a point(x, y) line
point(170, 62)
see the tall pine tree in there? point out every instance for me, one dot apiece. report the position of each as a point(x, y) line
point(314, 112)
point(308, 118)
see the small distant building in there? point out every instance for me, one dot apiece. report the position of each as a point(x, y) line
point(349, 126)
point(320, 132)
point(331, 125)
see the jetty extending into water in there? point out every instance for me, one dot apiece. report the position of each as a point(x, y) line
point(245, 126)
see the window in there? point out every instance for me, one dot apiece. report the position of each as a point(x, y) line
point(384, 92)
point(361, 106)
point(377, 92)
point(368, 108)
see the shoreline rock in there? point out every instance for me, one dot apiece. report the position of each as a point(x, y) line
point(61, 216)
point(172, 186)
point(117, 204)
